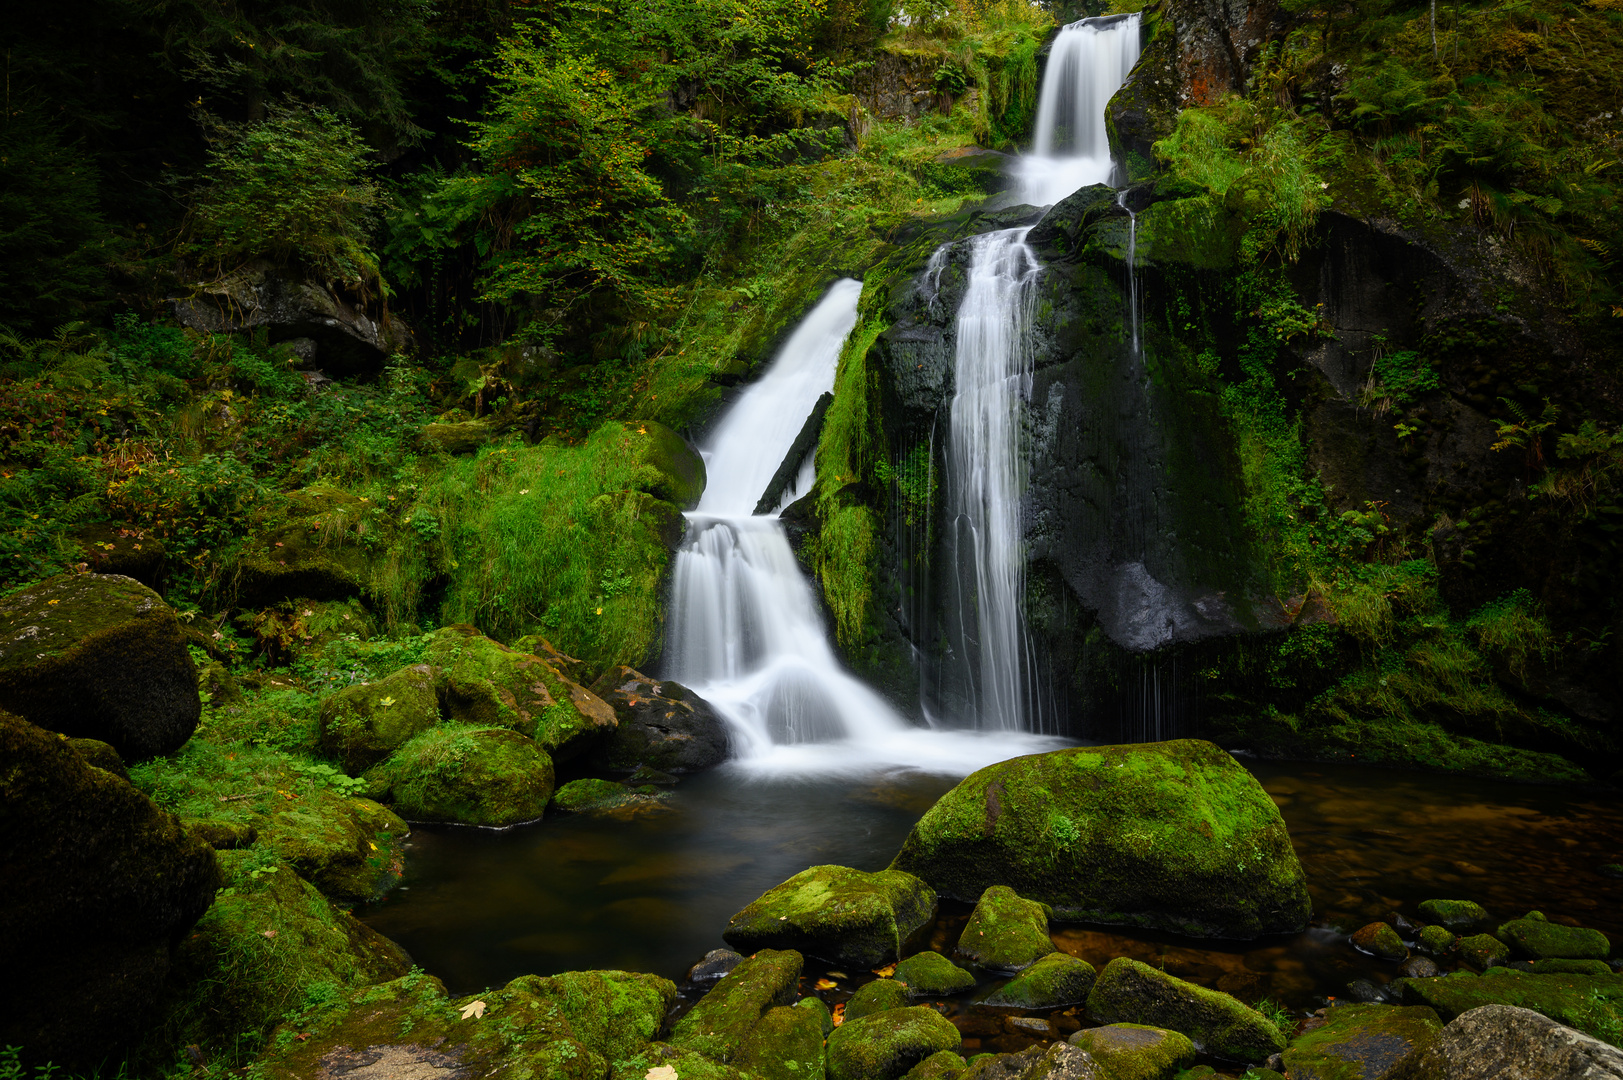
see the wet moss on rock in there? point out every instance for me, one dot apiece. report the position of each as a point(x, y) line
point(1379, 939)
point(844, 915)
point(1055, 980)
point(929, 974)
point(1455, 915)
point(467, 775)
point(786, 1044)
point(312, 549)
point(718, 1025)
point(1136, 1051)
point(941, 1065)
point(1362, 1040)
point(348, 848)
point(362, 725)
point(1482, 950)
point(1128, 991)
point(1005, 933)
point(1538, 939)
point(888, 1044)
point(605, 797)
point(1437, 940)
point(1591, 1003)
point(876, 997)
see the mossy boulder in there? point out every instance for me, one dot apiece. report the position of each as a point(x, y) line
point(786, 1044)
point(110, 547)
point(818, 1008)
point(607, 798)
point(1456, 915)
point(101, 755)
point(1536, 939)
point(98, 884)
point(1359, 1041)
point(839, 914)
point(674, 470)
point(1437, 940)
point(886, 1045)
point(1136, 1051)
point(929, 974)
point(1379, 939)
point(1572, 967)
point(1128, 991)
point(1591, 1003)
point(468, 775)
point(876, 997)
point(348, 848)
point(1005, 933)
point(1173, 835)
point(484, 682)
point(1482, 951)
point(99, 656)
point(1057, 979)
point(1059, 1061)
point(1498, 1042)
point(941, 1065)
point(361, 725)
point(688, 1064)
point(718, 1025)
point(313, 550)
point(662, 725)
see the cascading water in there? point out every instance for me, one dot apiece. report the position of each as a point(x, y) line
point(1070, 146)
point(1132, 265)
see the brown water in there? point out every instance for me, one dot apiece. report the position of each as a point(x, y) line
point(654, 893)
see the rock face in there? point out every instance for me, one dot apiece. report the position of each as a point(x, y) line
point(1173, 835)
point(663, 725)
point(843, 915)
point(1497, 1042)
point(1131, 992)
point(99, 656)
point(99, 885)
point(1372, 1039)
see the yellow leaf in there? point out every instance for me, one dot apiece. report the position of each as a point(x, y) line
point(885, 972)
point(826, 984)
point(660, 1072)
point(386, 701)
point(473, 1010)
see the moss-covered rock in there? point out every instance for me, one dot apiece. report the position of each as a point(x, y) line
point(929, 974)
point(1456, 915)
point(675, 469)
point(101, 755)
point(886, 1045)
point(1135, 1051)
point(1537, 939)
point(1379, 939)
point(1057, 979)
point(113, 548)
point(101, 657)
point(941, 1065)
point(689, 1064)
point(484, 682)
point(348, 848)
point(1482, 950)
point(97, 885)
point(607, 798)
point(1005, 933)
point(468, 775)
point(313, 549)
point(1128, 991)
point(876, 997)
point(662, 725)
point(1572, 967)
point(1497, 1042)
point(1437, 940)
point(840, 914)
point(1359, 1041)
point(224, 835)
point(1174, 835)
point(786, 1044)
point(718, 1025)
point(363, 724)
point(1059, 1061)
point(1591, 1003)
point(818, 1008)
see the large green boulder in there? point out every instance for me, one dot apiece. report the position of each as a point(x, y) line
point(348, 848)
point(672, 470)
point(1005, 933)
point(99, 656)
point(96, 886)
point(1536, 939)
point(929, 974)
point(1591, 1003)
point(363, 724)
point(1055, 980)
point(1131, 992)
point(468, 775)
point(877, 997)
point(885, 1045)
point(1173, 835)
point(718, 1025)
point(843, 915)
point(786, 1044)
point(1358, 1041)
point(1135, 1051)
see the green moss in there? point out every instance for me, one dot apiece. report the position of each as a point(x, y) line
point(466, 774)
point(941, 1065)
point(1482, 951)
point(876, 997)
point(1591, 1003)
point(1136, 1052)
point(1131, 992)
point(687, 1063)
point(1005, 933)
point(1456, 915)
point(886, 1045)
point(1053, 981)
point(361, 725)
point(1357, 1038)
point(1537, 939)
point(718, 1025)
point(1379, 939)
point(787, 1044)
point(843, 915)
point(590, 796)
point(1173, 835)
point(929, 974)
point(1572, 967)
point(817, 1008)
point(314, 547)
point(1436, 940)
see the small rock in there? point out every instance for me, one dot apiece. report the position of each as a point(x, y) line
point(885, 1045)
point(876, 997)
point(1418, 967)
point(1456, 915)
point(1437, 940)
point(1379, 939)
point(1483, 951)
point(1034, 1026)
point(929, 974)
point(1057, 979)
point(941, 1065)
point(1365, 991)
point(840, 914)
point(1128, 991)
point(716, 963)
point(1006, 933)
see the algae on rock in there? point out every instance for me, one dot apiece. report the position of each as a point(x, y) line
point(1128, 991)
point(1055, 980)
point(885, 1045)
point(1005, 933)
point(468, 775)
point(719, 1024)
point(840, 914)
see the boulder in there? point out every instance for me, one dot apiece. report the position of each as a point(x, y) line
point(817, 1008)
point(312, 550)
point(607, 798)
point(1005, 933)
point(1128, 991)
point(885, 1045)
point(1437, 940)
point(113, 548)
point(787, 1044)
point(843, 915)
point(1136, 1052)
point(929, 974)
point(1498, 1042)
point(718, 1025)
point(98, 886)
point(876, 997)
point(362, 725)
point(482, 681)
point(687, 1065)
point(1055, 980)
point(1591, 1003)
point(941, 1065)
point(101, 755)
point(1368, 1041)
point(1173, 835)
point(1538, 939)
point(672, 470)
point(1456, 915)
point(350, 849)
point(662, 725)
point(1482, 950)
point(467, 775)
point(1379, 939)
point(99, 656)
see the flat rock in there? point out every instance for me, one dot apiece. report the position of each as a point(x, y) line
point(1135, 1051)
point(1499, 1042)
point(1538, 939)
point(1367, 1042)
point(837, 913)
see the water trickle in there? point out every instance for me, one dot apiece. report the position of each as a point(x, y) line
point(1071, 147)
point(1132, 265)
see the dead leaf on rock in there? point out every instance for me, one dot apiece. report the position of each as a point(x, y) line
point(473, 1010)
point(660, 1072)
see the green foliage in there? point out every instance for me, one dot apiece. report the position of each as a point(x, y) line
point(1278, 1015)
point(1397, 378)
point(331, 778)
point(1512, 629)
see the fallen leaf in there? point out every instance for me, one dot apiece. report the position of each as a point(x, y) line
point(386, 701)
point(885, 972)
point(839, 1014)
point(838, 975)
point(473, 1010)
point(269, 933)
point(826, 984)
point(660, 1072)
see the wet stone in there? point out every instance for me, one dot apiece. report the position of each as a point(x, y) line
point(1135, 1051)
point(1483, 951)
point(1372, 1039)
point(1379, 939)
point(1456, 915)
point(716, 963)
point(1418, 967)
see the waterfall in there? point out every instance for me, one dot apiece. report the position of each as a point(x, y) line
point(1071, 149)
point(1132, 264)
point(992, 365)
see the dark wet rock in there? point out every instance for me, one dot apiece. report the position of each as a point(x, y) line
point(97, 888)
point(224, 835)
point(662, 725)
point(112, 548)
point(1610, 870)
point(839, 914)
point(929, 974)
point(1538, 939)
point(1591, 1003)
point(605, 798)
point(1174, 835)
point(876, 997)
point(1482, 950)
point(1366, 991)
point(1437, 940)
point(1135, 1051)
point(1419, 967)
point(716, 963)
point(1379, 939)
point(786, 1044)
point(101, 755)
point(886, 1045)
point(644, 774)
point(102, 657)
point(1366, 1041)
point(805, 442)
point(1456, 915)
point(362, 725)
point(1128, 991)
point(1006, 933)
point(718, 1025)
point(1053, 981)
point(467, 776)
point(1496, 1042)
